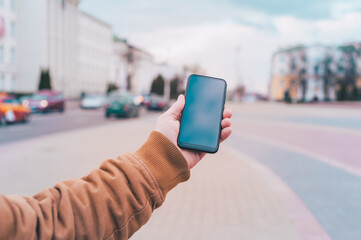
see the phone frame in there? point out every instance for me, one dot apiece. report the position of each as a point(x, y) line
point(201, 147)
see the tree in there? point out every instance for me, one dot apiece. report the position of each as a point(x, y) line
point(354, 94)
point(45, 80)
point(111, 87)
point(342, 92)
point(303, 82)
point(327, 78)
point(174, 88)
point(158, 85)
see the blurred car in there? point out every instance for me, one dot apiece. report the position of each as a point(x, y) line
point(45, 101)
point(122, 104)
point(93, 101)
point(11, 111)
point(155, 102)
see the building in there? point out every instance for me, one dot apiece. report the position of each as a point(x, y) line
point(8, 45)
point(77, 50)
point(95, 46)
point(317, 72)
point(47, 41)
point(119, 66)
point(133, 69)
point(54, 36)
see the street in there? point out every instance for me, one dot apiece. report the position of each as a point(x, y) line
point(287, 171)
point(42, 124)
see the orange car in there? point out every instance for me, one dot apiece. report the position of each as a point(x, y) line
point(12, 111)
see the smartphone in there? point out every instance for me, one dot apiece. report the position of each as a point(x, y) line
point(200, 126)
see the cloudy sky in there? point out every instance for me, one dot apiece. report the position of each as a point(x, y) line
point(232, 39)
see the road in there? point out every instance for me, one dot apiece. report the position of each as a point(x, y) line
point(287, 171)
point(42, 124)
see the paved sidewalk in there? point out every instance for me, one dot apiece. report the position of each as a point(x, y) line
point(230, 196)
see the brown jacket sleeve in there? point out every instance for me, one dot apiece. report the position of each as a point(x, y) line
point(112, 202)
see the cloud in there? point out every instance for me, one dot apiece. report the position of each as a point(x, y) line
point(347, 25)
point(208, 32)
point(213, 47)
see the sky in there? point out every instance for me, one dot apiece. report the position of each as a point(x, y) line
point(231, 39)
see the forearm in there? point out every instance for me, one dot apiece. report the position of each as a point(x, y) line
point(112, 201)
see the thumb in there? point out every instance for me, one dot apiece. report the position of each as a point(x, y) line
point(176, 109)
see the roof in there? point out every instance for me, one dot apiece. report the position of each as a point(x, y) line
point(291, 49)
point(96, 19)
point(123, 40)
point(351, 47)
point(118, 39)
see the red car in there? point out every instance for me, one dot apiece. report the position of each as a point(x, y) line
point(45, 101)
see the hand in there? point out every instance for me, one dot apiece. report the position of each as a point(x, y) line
point(168, 124)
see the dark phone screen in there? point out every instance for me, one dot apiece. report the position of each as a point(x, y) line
point(202, 114)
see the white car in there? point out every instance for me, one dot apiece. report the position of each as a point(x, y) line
point(93, 101)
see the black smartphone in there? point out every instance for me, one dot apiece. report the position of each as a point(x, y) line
point(200, 126)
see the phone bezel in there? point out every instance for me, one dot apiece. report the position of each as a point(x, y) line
point(202, 148)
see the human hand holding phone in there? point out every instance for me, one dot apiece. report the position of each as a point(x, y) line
point(169, 123)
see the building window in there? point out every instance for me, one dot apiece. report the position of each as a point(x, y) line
point(2, 82)
point(12, 5)
point(13, 29)
point(12, 55)
point(282, 82)
point(12, 83)
point(1, 54)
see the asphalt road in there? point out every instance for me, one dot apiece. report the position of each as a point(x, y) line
point(287, 171)
point(43, 124)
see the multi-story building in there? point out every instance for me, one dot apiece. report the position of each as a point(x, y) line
point(54, 36)
point(119, 66)
point(75, 48)
point(47, 41)
point(8, 45)
point(95, 40)
point(133, 69)
point(309, 73)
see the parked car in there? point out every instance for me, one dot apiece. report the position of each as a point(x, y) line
point(122, 104)
point(155, 102)
point(45, 101)
point(93, 101)
point(11, 111)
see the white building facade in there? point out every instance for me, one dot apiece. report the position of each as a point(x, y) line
point(133, 69)
point(138, 65)
point(8, 45)
point(76, 49)
point(54, 36)
point(47, 42)
point(95, 40)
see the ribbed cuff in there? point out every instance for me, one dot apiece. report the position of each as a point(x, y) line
point(165, 161)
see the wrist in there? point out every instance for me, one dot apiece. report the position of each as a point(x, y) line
point(164, 160)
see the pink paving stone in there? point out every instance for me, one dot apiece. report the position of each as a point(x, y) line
point(339, 146)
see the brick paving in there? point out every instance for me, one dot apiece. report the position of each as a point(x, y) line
point(226, 198)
